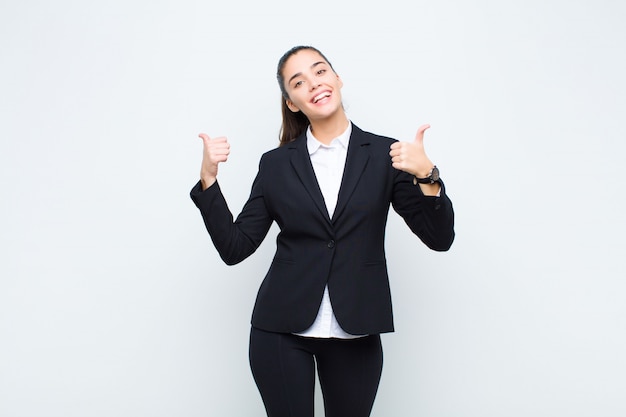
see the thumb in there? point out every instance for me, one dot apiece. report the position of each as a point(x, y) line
point(419, 137)
point(204, 136)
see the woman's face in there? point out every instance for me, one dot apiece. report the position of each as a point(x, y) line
point(312, 85)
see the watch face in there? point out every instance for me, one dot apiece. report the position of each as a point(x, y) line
point(435, 174)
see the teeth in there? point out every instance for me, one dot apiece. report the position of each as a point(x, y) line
point(321, 96)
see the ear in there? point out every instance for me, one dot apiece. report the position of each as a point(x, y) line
point(292, 106)
point(340, 80)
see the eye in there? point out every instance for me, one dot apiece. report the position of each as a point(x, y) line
point(320, 72)
point(298, 84)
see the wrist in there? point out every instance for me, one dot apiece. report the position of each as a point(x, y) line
point(431, 177)
point(207, 181)
point(424, 170)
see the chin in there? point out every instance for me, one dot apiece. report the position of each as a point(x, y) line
point(326, 113)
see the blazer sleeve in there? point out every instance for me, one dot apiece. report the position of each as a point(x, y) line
point(238, 239)
point(430, 218)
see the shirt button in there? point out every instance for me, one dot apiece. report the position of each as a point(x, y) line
point(331, 244)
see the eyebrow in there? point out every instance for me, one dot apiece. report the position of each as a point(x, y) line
point(299, 73)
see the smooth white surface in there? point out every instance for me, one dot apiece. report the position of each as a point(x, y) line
point(113, 301)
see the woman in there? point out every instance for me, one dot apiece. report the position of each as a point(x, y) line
point(325, 300)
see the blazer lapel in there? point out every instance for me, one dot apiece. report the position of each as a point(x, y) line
point(356, 160)
point(301, 162)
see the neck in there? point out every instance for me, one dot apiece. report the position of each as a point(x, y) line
point(325, 130)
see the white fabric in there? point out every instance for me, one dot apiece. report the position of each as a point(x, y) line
point(328, 163)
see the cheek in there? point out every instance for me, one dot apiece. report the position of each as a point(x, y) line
point(297, 101)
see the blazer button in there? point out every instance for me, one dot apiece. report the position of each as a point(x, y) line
point(331, 244)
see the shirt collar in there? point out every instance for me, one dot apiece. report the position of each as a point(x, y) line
point(313, 144)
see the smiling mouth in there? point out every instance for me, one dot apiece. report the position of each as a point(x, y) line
point(321, 96)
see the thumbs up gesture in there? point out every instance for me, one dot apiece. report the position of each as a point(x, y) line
point(214, 151)
point(410, 156)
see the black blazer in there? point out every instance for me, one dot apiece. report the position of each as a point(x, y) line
point(346, 252)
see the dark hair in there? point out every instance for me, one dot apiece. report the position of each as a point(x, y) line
point(294, 124)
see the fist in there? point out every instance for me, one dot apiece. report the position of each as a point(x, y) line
point(214, 151)
point(411, 156)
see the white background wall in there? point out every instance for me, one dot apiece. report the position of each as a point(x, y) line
point(113, 301)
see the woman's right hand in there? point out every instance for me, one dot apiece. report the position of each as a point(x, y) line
point(215, 151)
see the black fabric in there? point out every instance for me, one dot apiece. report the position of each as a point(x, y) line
point(346, 252)
point(283, 366)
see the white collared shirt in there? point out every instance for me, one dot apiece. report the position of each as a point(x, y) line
point(328, 163)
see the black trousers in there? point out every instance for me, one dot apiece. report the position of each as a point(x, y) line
point(283, 366)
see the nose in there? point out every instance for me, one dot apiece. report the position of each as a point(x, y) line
point(315, 85)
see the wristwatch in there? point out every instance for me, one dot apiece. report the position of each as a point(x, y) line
point(432, 177)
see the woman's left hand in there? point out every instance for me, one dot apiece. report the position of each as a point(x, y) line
point(411, 156)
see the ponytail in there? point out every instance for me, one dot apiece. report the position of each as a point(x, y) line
point(294, 124)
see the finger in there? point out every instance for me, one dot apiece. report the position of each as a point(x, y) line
point(218, 144)
point(221, 140)
point(220, 151)
point(397, 146)
point(204, 136)
point(419, 137)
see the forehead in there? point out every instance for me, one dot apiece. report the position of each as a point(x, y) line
point(301, 61)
